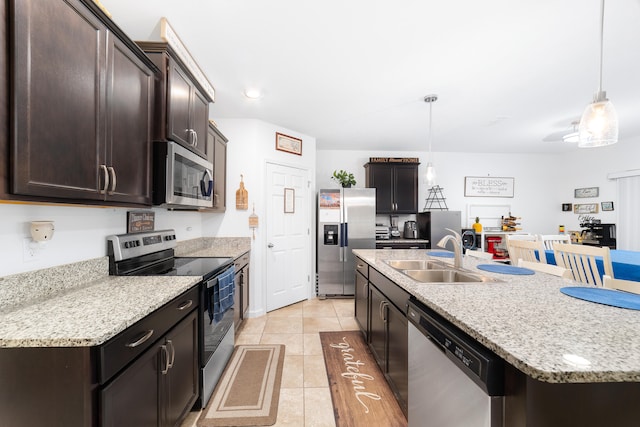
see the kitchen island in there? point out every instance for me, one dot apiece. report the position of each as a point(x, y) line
point(562, 354)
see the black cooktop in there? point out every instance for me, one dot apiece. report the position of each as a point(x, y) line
point(206, 267)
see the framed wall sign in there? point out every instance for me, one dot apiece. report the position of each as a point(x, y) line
point(585, 208)
point(289, 144)
point(488, 186)
point(607, 206)
point(567, 207)
point(138, 221)
point(289, 200)
point(584, 193)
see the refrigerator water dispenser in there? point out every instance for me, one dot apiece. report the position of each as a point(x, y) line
point(331, 234)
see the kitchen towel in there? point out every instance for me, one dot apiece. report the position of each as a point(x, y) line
point(604, 296)
point(505, 269)
point(223, 293)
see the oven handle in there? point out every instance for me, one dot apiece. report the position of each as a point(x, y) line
point(212, 282)
point(141, 340)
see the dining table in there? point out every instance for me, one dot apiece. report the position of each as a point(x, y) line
point(626, 264)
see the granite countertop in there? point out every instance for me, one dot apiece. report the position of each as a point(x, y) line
point(529, 323)
point(209, 247)
point(89, 315)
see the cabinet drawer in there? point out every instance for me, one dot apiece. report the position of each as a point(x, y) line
point(362, 267)
point(241, 261)
point(394, 293)
point(116, 353)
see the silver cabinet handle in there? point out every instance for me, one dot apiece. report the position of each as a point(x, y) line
point(215, 200)
point(113, 179)
point(165, 354)
point(270, 245)
point(173, 354)
point(186, 305)
point(195, 139)
point(141, 340)
point(106, 179)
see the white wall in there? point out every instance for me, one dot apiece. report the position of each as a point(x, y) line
point(251, 146)
point(542, 181)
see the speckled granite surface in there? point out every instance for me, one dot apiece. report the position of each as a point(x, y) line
point(214, 247)
point(529, 323)
point(21, 288)
point(91, 314)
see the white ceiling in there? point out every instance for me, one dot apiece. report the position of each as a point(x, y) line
point(510, 75)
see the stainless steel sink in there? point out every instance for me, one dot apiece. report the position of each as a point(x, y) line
point(411, 264)
point(447, 276)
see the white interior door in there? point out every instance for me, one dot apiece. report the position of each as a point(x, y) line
point(288, 238)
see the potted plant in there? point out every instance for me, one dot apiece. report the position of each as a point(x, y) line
point(344, 178)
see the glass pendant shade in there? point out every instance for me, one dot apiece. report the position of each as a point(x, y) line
point(430, 176)
point(599, 124)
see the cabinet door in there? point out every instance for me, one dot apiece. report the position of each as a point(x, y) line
point(132, 398)
point(380, 177)
point(361, 302)
point(398, 360)
point(220, 175)
point(130, 98)
point(199, 121)
point(406, 188)
point(378, 327)
point(245, 292)
point(178, 106)
point(58, 82)
point(181, 380)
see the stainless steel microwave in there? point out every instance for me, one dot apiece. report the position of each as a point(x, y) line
point(181, 178)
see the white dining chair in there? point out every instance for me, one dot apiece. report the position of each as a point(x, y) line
point(479, 254)
point(531, 251)
point(547, 268)
point(549, 240)
point(581, 260)
point(621, 285)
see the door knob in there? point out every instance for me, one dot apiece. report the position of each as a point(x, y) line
point(270, 245)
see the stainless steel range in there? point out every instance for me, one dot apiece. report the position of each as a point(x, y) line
point(152, 254)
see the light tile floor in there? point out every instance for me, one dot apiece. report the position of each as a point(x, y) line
point(305, 399)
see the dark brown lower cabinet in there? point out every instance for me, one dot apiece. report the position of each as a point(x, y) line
point(388, 342)
point(361, 297)
point(241, 296)
point(160, 386)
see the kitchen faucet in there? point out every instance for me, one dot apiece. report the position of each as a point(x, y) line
point(457, 246)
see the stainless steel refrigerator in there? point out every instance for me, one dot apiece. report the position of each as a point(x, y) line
point(346, 221)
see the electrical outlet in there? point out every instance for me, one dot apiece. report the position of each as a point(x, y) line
point(31, 250)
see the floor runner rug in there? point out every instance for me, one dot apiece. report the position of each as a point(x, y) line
point(249, 389)
point(359, 391)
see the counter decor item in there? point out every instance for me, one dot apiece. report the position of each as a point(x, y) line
point(477, 227)
point(505, 269)
point(242, 196)
point(604, 296)
point(344, 178)
point(288, 143)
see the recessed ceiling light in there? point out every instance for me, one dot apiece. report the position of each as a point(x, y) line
point(252, 93)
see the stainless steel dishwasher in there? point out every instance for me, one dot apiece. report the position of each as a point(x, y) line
point(453, 380)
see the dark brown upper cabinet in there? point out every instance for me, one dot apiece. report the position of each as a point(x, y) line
point(217, 146)
point(396, 186)
point(181, 106)
point(81, 105)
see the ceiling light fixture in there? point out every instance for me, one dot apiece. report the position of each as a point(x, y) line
point(430, 176)
point(599, 122)
point(252, 93)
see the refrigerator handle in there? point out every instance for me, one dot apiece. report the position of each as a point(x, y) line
point(345, 234)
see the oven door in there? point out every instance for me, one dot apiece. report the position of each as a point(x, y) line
point(183, 179)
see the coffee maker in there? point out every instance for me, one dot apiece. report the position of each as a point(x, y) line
point(393, 230)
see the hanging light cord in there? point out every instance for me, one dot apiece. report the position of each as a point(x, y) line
point(430, 122)
point(601, 44)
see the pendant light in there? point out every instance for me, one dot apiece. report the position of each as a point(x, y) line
point(430, 177)
point(599, 122)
